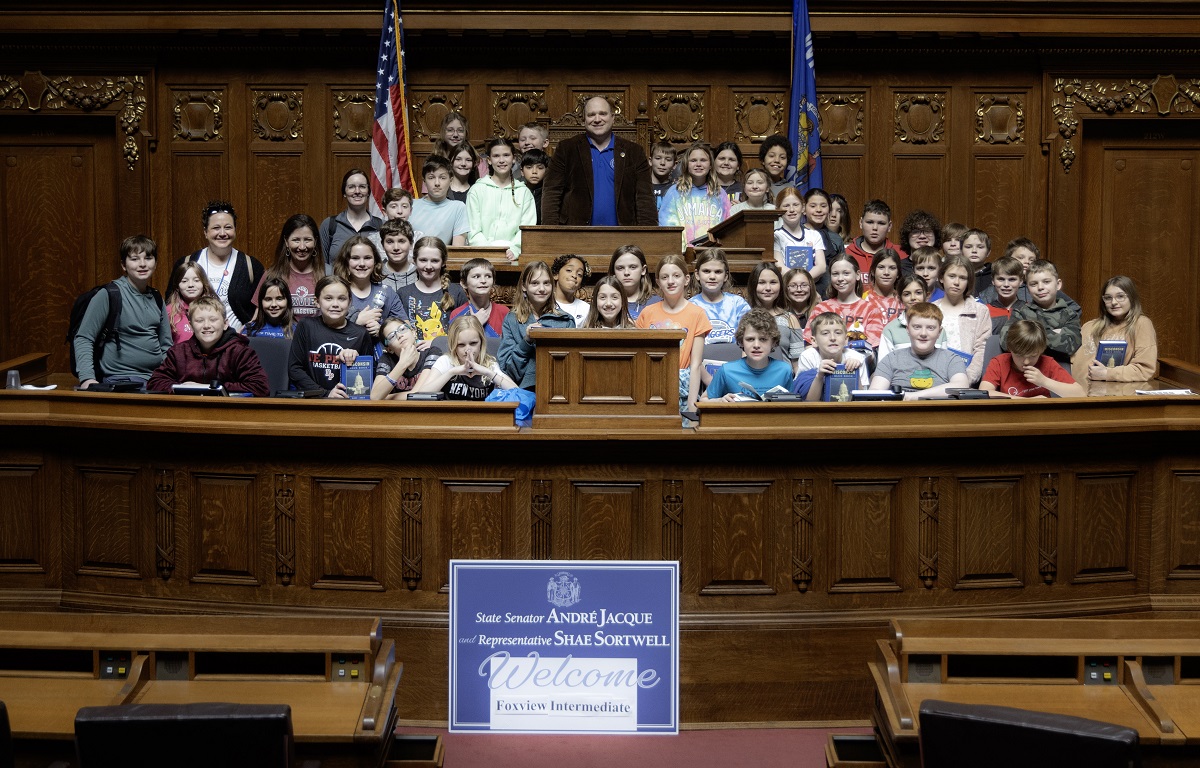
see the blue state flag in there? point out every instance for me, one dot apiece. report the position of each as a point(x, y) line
point(803, 129)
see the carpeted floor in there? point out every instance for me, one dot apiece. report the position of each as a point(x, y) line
point(724, 748)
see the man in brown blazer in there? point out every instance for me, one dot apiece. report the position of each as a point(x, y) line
point(598, 179)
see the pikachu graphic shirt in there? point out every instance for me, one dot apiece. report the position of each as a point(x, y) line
point(426, 311)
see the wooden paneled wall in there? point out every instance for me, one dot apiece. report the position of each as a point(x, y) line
point(123, 132)
point(795, 546)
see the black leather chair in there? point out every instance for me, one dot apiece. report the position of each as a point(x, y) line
point(6, 745)
point(184, 736)
point(984, 736)
point(273, 354)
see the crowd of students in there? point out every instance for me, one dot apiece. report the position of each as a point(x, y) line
point(826, 315)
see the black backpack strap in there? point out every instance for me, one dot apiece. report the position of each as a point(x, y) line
point(109, 331)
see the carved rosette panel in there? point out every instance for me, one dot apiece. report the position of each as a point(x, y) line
point(126, 95)
point(802, 534)
point(999, 119)
point(353, 115)
point(920, 117)
point(679, 117)
point(285, 528)
point(842, 117)
point(758, 114)
point(1048, 528)
point(1164, 95)
point(164, 523)
point(427, 108)
point(927, 531)
point(541, 512)
point(512, 109)
point(412, 553)
point(197, 115)
point(672, 520)
point(277, 115)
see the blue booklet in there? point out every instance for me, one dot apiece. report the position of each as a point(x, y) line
point(1111, 353)
point(798, 257)
point(840, 385)
point(357, 378)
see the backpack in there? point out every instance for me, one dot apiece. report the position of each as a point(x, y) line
point(108, 330)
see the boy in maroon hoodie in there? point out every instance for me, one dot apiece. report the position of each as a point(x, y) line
point(214, 353)
point(875, 224)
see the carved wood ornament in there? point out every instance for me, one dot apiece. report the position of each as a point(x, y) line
point(927, 529)
point(125, 95)
point(512, 109)
point(428, 107)
point(1000, 119)
point(758, 115)
point(679, 117)
point(842, 117)
point(672, 520)
point(197, 115)
point(277, 115)
point(920, 117)
point(285, 528)
point(1165, 96)
point(1048, 528)
point(353, 115)
point(164, 523)
point(802, 534)
point(541, 511)
point(413, 553)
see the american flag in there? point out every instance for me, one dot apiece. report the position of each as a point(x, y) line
point(391, 158)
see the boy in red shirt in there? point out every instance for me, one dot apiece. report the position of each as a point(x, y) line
point(1024, 371)
point(875, 224)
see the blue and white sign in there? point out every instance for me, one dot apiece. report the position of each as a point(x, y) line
point(569, 646)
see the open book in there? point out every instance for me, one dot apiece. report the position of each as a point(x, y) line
point(756, 396)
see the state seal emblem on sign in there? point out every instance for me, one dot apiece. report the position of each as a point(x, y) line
point(562, 590)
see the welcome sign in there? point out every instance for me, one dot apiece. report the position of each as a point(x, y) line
point(578, 646)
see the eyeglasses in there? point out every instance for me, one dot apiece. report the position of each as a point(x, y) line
point(210, 210)
point(1113, 298)
point(396, 333)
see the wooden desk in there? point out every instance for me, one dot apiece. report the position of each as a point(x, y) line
point(339, 676)
point(619, 379)
point(801, 529)
point(1088, 668)
point(44, 708)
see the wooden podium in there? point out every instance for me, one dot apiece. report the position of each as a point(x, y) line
point(747, 229)
point(607, 379)
point(747, 237)
point(596, 244)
